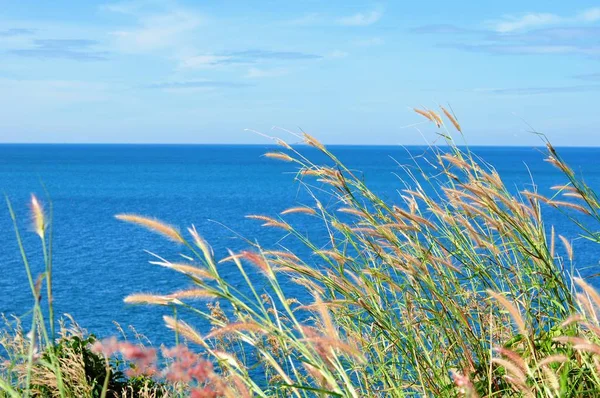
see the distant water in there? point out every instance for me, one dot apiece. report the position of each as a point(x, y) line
point(98, 260)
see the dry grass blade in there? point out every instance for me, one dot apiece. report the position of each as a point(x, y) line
point(153, 225)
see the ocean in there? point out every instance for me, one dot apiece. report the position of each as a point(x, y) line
point(99, 260)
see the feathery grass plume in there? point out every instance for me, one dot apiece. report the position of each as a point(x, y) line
point(270, 222)
point(143, 298)
point(436, 117)
point(515, 358)
point(186, 269)
point(192, 293)
point(324, 345)
point(557, 358)
point(39, 219)
point(558, 203)
point(231, 257)
point(339, 258)
point(201, 243)
point(153, 225)
point(282, 254)
point(568, 246)
point(590, 291)
point(588, 347)
point(231, 328)
point(426, 114)
point(570, 340)
point(312, 141)
point(259, 261)
point(512, 310)
point(452, 119)
point(279, 155)
point(300, 209)
point(575, 195)
point(511, 369)
point(566, 187)
point(184, 329)
point(575, 318)
point(284, 144)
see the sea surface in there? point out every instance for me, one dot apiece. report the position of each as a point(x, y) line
point(99, 260)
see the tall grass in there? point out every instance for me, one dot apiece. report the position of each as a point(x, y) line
point(460, 289)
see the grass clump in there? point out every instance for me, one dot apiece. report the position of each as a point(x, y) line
point(459, 289)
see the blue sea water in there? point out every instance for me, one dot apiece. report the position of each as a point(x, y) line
point(99, 260)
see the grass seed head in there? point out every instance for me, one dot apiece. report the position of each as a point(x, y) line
point(39, 219)
point(153, 225)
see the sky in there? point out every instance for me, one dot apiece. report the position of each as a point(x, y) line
point(347, 72)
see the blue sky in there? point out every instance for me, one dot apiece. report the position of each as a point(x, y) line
point(345, 71)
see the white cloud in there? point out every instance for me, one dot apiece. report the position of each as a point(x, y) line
point(532, 20)
point(163, 27)
point(361, 18)
point(337, 54)
point(512, 23)
point(590, 15)
point(255, 73)
point(203, 61)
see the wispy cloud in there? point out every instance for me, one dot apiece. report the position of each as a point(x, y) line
point(157, 25)
point(527, 49)
point(527, 21)
point(244, 57)
point(526, 34)
point(588, 76)
point(197, 84)
point(513, 23)
point(539, 90)
point(16, 32)
point(256, 73)
point(337, 54)
point(73, 49)
point(362, 18)
point(445, 29)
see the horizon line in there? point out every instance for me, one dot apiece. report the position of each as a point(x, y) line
point(276, 145)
